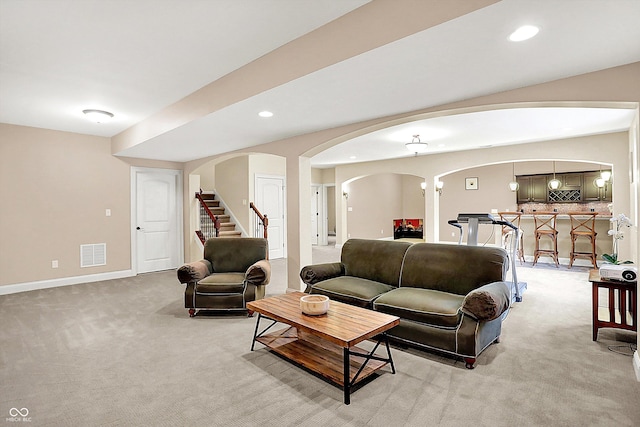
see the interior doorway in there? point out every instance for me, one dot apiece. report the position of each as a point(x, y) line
point(269, 192)
point(156, 215)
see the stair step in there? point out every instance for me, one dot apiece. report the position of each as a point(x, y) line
point(217, 211)
point(227, 226)
point(211, 203)
point(229, 234)
point(208, 196)
point(224, 218)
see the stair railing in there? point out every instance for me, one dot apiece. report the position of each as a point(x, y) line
point(209, 223)
point(261, 222)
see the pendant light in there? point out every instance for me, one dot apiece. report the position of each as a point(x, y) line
point(600, 180)
point(554, 184)
point(513, 185)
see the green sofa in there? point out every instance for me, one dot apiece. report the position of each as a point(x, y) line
point(449, 298)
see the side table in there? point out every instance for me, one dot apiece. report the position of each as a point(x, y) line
point(622, 310)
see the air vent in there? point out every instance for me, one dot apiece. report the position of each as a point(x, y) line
point(93, 255)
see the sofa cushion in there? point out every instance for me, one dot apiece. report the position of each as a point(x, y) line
point(351, 290)
point(221, 283)
point(435, 308)
point(452, 268)
point(377, 260)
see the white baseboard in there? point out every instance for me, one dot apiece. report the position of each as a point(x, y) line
point(636, 364)
point(63, 281)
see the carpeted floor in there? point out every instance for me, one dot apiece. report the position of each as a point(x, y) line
point(125, 352)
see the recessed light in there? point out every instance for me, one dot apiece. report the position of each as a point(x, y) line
point(265, 114)
point(98, 116)
point(524, 33)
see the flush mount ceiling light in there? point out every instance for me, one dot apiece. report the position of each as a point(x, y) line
point(98, 116)
point(265, 114)
point(416, 145)
point(524, 33)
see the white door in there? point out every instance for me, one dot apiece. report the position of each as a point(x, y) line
point(157, 220)
point(270, 201)
point(315, 215)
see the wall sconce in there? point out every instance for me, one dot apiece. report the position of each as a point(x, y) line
point(345, 195)
point(606, 175)
point(439, 186)
point(423, 186)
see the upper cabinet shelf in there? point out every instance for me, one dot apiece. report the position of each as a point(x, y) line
point(576, 187)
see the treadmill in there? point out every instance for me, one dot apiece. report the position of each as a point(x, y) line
point(475, 219)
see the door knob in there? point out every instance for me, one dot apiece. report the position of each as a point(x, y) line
point(138, 228)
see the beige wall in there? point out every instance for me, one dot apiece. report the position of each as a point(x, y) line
point(412, 197)
point(232, 187)
point(55, 188)
point(374, 201)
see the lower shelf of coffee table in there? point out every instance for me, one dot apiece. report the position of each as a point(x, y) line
point(318, 355)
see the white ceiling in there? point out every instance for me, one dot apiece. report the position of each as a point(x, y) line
point(59, 57)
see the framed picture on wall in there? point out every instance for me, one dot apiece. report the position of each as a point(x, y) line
point(471, 183)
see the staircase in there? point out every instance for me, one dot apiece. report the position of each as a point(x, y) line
point(225, 228)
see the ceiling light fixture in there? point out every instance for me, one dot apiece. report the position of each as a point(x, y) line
point(513, 185)
point(98, 116)
point(524, 33)
point(265, 114)
point(416, 145)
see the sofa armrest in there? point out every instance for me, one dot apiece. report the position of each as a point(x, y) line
point(259, 273)
point(194, 271)
point(488, 302)
point(312, 274)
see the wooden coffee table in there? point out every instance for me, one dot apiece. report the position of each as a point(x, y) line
point(325, 344)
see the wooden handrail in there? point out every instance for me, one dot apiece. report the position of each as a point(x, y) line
point(263, 219)
point(216, 221)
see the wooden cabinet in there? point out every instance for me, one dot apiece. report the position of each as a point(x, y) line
point(532, 188)
point(591, 193)
point(570, 181)
point(574, 187)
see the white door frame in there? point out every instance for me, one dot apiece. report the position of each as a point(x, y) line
point(134, 205)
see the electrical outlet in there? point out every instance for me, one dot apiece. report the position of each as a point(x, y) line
point(54, 263)
point(381, 231)
point(453, 234)
point(348, 235)
point(107, 212)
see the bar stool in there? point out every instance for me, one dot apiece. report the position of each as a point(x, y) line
point(583, 224)
point(508, 233)
point(545, 225)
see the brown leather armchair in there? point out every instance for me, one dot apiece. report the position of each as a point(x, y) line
point(232, 272)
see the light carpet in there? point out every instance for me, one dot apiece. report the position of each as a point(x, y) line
point(124, 352)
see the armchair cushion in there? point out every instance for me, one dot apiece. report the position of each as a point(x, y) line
point(259, 273)
point(221, 283)
point(194, 271)
point(487, 302)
